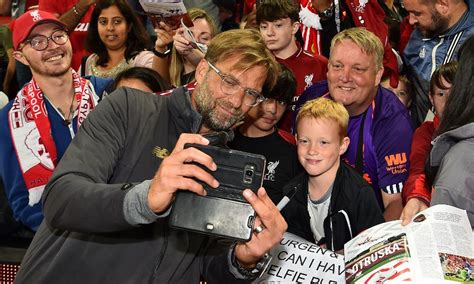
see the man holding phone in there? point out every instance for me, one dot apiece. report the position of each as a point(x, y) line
point(106, 205)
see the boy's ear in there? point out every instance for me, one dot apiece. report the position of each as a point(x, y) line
point(295, 28)
point(344, 145)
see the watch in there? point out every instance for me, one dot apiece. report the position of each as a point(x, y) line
point(255, 272)
point(162, 55)
point(328, 13)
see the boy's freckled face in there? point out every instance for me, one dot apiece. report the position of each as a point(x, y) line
point(319, 145)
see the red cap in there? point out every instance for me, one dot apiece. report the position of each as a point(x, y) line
point(22, 26)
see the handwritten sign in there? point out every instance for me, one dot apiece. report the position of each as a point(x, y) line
point(297, 260)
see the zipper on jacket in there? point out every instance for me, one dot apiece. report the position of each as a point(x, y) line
point(433, 56)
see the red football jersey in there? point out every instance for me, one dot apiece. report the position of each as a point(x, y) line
point(308, 69)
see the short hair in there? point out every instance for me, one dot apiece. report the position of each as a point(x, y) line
point(446, 72)
point(272, 10)
point(322, 108)
point(148, 76)
point(366, 40)
point(285, 86)
point(137, 41)
point(247, 45)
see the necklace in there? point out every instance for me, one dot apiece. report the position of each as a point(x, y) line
point(111, 73)
point(70, 116)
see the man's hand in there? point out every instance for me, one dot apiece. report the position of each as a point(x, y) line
point(274, 226)
point(175, 173)
point(413, 206)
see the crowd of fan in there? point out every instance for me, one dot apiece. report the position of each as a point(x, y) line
point(363, 108)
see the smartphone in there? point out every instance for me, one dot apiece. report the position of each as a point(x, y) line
point(223, 212)
point(236, 170)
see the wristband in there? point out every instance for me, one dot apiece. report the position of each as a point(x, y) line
point(162, 55)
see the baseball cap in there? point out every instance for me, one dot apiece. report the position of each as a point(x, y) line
point(22, 26)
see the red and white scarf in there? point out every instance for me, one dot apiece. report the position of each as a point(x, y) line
point(31, 132)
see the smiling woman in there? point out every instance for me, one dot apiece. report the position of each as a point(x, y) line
point(117, 40)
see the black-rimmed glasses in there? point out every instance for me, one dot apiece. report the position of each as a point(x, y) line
point(41, 42)
point(231, 86)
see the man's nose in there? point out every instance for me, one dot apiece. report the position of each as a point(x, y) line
point(345, 74)
point(237, 99)
point(412, 19)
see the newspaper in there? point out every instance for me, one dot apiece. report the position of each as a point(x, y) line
point(168, 11)
point(437, 246)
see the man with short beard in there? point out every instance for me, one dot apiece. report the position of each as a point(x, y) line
point(107, 205)
point(38, 125)
point(441, 26)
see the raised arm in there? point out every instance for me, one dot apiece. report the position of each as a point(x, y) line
point(70, 17)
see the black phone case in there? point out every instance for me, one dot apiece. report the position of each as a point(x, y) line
point(212, 215)
point(233, 167)
point(217, 216)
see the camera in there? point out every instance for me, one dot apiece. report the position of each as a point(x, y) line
point(249, 171)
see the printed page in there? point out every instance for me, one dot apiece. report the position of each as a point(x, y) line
point(169, 11)
point(443, 244)
point(378, 255)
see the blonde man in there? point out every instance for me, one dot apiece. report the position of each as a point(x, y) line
point(379, 124)
point(107, 204)
point(332, 203)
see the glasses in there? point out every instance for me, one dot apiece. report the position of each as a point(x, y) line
point(231, 86)
point(41, 42)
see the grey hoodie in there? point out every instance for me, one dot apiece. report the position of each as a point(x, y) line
point(453, 153)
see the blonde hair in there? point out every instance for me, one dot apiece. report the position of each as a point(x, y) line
point(249, 46)
point(177, 63)
point(366, 40)
point(323, 108)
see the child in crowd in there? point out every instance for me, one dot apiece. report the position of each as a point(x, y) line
point(331, 202)
point(259, 135)
point(417, 189)
point(402, 91)
point(278, 22)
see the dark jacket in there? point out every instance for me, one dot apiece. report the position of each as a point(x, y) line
point(86, 237)
point(421, 56)
point(352, 209)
